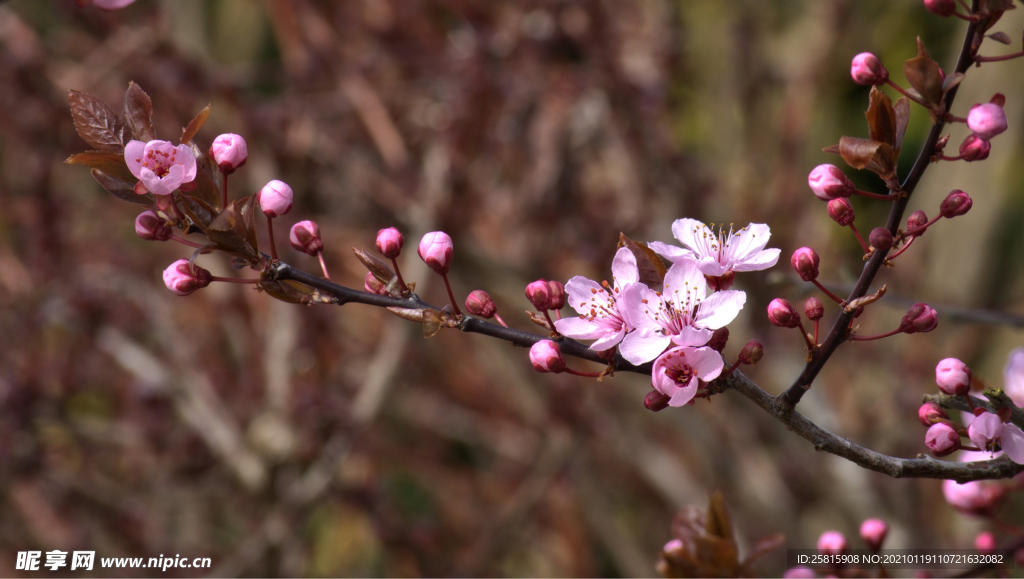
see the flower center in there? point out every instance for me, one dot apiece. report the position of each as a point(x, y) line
point(159, 162)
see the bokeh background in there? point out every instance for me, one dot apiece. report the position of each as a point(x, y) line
point(292, 440)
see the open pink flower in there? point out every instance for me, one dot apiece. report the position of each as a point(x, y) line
point(677, 372)
point(599, 305)
point(1013, 377)
point(160, 166)
point(978, 497)
point(721, 253)
point(682, 314)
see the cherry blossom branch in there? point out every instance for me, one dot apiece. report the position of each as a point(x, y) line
point(838, 334)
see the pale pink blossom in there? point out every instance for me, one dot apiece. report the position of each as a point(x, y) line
point(677, 373)
point(229, 152)
point(987, 120)
point(599, 306)
point(723, 252)
point(941, 439)
point(683, 314)
point(1013, 377)
point(160, 166)
point(985, 430)
point(112, 4)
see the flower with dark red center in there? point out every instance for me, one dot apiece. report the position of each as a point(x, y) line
point(160, 166)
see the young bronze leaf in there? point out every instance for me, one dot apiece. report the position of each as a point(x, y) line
point(432, 323)
point(230, 233)
point(138, 113)
point(924, 75)
point(198, 211)
point(208, 182)
point(189, 132)
point(121, 189)
point(376, 266)
point(858, 152)
point(651, 267)
point(951, 81)
point(110, 163)
point(1001, 37)
point(881, 117)
point(294, 292)
point(902, 111)
point(96, 122)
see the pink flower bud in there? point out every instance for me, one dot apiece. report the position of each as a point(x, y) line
point(374, 286)
point(112, 4)
point(841, 211)
point(941, 439)
point(805, 261)
point(942, 8)
point(229, 152)
point(873, 532)
point(149, 226)
point(919, 318)
point(956, 203)
point(979, 497)
point(305, 237)
point(557, 295)
point(866, 69)
point(183, 280)
point(799, 572)
point(782, 314)
point(719, 339)
point(829, 182)
point(751, 353)
point(276, 198)
point(917, 219)
point(953, 377)
point(390, 242)
point(656, 402)
point(985, 430)
point(930, 413)
point(987, 120)
point(160, 166)
point(974, 148)
point(985, 542)
point(721, 282)
point(880, 239)
point(546, 356)
point(539, 294)
point(832, 543)
point(436, 250)
point(479, 303)
point(814, 309)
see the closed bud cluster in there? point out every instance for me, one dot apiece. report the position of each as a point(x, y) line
point(930, 413)
point(805, 261)
point(436, 250)
point(829, 182)
point(374, 286)
point(546, 356)
point(479, 303)
point(841, 211)
point(955, 204)
point(974, 148)
point(941, 439)
point(814, 309)
point(880, 239)
point(917, 219)
point(873, 532)
point(719, 339)
point(539, 294)
point(149, 226)
point(229, 152)
point(182, 279)
point(987, 120)
point(866, 69)
point(953, 377)
point(276, 198)
point(782, 314)
point(390, 242)
point(942, 8)
point(305, 237)
point(751, 353)
point(919, 318)
point(656, 401)
point(832, 543)
point(557, 295)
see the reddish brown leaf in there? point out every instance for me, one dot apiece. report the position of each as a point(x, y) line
point(294, 292)
point(96, 122)
point(651, 267)
point(863, 153)
point(951, 81)
point(902, 111)
point(375, 265)
point(924, 75)
point(138, 113)
point(1001, 37)
point(198, 211)
point(110, 163)
point(998, 99)
point(763, 546)
point(208, 183)
point(189, 132)
point(233, 231)
point(121, 189)
point(881, 117)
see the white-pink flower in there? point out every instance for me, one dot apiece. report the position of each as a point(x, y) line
point(975, 497)
point(160, 166)
point(1013, 377)
point(683, 314)
point(721, 253)
point(677, 372)
point(599, 305)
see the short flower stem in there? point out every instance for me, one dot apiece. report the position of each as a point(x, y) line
point(904, 248)
point(945, 158)
point(270, 229)
point(831, 295)
point(964, 17)
point(999, 58)
point(872, 195)
point(558, 314)
point(500, 321)
point(185, 241)
point(904, 92)
point(728, 369)
point(401, 282)
point(816, 331)
point(920, 230)
point(551, 323)
point(224, 194)
point(323, 266)
point(234, 279)
point(451, 295)
point(584, 374)
point(951, 118)
point(811, 346)
point(970, 402)
point(859, 238)
point(879, 336)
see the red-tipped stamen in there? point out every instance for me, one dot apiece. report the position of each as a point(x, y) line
point(185, 241)
point(270, 229)
point(451, 295)
point(904, 92)
point(831, 295)
point(398, 273)
point(878, 337)
point(323, 266)
point(863, 244)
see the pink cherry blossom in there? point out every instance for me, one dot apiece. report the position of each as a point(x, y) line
point(112, 4)
point(873, 532)
point(677, 372)
point(229, 152)
point(985, 430)
point(941, 439)
point(987, 120)
point(276, 198)
point(1013, 377)
point(600, 305)
point(160, 166)
point(682, 314)
point(722, 253)
point(833, 543)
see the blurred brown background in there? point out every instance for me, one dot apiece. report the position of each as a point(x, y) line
point(286, 440)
